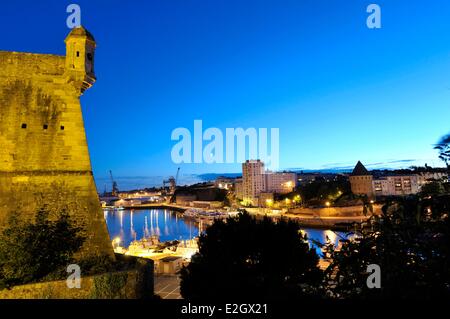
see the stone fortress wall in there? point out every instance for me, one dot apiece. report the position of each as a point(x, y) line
point(44, 158)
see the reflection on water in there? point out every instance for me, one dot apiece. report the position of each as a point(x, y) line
point(323, 236)
point(132, 225)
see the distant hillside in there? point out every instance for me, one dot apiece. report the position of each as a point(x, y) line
point(212, 176)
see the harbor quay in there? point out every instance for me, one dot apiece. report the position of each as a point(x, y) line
point(337, 218)
point(160, 231)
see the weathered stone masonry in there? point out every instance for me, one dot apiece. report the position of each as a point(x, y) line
point(44, 156)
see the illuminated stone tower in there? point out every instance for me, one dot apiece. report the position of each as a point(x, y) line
point(44, 158)
point(361, 181)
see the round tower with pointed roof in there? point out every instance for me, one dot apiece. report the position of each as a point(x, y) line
point(80, 50)
point(361, 181)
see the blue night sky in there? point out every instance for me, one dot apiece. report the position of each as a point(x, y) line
point(338, 91)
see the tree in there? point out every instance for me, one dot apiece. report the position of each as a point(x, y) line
point(444, 149)
point(248, 258)
point(31, 250)
point(410, 242)
point(432, 188)
point(321, 190)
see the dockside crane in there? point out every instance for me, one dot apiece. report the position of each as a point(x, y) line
point(172, 181)
point(176, 177)
point(115, 188)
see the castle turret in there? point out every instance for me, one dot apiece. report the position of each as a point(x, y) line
point(80, 49)
point(44, 156)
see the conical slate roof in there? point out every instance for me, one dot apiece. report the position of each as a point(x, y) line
point(360, 170)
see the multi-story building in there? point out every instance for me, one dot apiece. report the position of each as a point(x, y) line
point(426, 177)
point(253, 181)
point(396, 185)
point(280, 182)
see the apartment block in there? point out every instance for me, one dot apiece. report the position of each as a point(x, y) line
point(253, 181)
point(396, 185)
point(256, 181)
point(280, 182)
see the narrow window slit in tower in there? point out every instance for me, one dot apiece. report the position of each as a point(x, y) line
point(24, 125)
point(45, 126)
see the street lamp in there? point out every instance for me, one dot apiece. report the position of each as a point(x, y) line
point(296, 199)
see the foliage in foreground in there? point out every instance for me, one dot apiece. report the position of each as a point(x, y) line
point(245, 258)
point(410, 242)
point(31, 250)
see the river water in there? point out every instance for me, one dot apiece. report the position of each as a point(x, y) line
point(129, 225)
